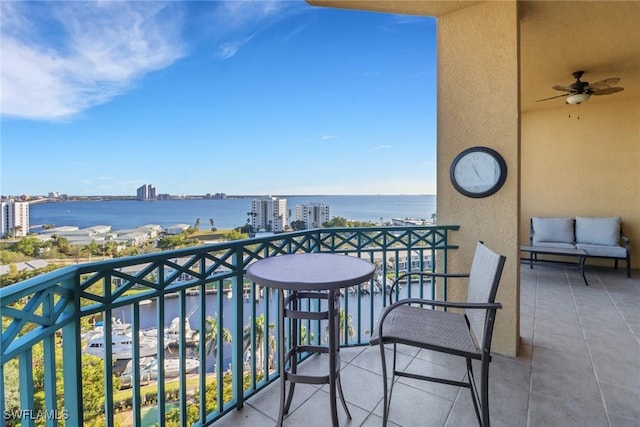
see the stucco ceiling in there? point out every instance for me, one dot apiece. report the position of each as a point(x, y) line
point(556, 38)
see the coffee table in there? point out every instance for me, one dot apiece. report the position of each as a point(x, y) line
point(544, 250)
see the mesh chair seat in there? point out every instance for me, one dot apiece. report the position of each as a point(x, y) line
point(438, 330)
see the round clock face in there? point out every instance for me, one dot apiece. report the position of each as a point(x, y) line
point(478, 172)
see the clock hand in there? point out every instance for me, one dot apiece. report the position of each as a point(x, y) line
point(476, 171)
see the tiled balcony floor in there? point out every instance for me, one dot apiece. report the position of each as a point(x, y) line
point(579, 365)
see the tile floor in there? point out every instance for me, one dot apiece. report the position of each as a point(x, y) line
point(579, 365)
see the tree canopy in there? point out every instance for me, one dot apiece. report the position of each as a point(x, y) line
point(341, 222)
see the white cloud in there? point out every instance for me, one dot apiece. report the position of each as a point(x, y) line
point(233, 21)
point(228, 49)
point(382, 147)
point(240, 14)
point(59, 59)
point(329, 137)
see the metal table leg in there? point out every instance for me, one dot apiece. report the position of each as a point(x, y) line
point(583, 258)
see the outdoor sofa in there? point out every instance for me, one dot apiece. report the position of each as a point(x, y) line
point(598, 237)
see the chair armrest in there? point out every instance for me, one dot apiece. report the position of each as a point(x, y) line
point(422, 273)
point(435, 303)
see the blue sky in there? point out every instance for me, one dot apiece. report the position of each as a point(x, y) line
point(240, 97)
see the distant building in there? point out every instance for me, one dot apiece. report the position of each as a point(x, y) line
point(408, 221)
point(217, 196)
point(177, 228)
point(15, 218)
point(269, 213)
point(146, 192)
point(313, 215)
point(28, 265)
point(53, 195)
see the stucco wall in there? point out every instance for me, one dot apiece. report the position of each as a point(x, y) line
point(478, 105)
point(588, 166)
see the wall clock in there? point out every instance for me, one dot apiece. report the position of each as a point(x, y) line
point(478, 172)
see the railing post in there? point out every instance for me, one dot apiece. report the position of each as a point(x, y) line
point(72, 358)
point(237, 347)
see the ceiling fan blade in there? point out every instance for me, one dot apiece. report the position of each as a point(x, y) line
point(607, 91)
point(602, 84)
point(553, 97)
point(562, 88)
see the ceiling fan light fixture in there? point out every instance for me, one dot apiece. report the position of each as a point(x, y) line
point(578, 98)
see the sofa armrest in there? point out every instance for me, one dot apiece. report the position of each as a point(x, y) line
point(531, 232)
point(625, 241)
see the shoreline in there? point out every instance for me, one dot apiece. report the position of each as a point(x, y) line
point(104, 198)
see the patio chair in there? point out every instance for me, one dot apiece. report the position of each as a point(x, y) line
point(419, 323)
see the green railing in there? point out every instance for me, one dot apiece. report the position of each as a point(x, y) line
point(50, 323)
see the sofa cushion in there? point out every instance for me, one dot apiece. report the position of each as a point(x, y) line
point(603, 250)
point(557, 245)
point(552, 230)
point(598, 231)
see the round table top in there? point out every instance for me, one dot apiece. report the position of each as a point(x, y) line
point(313, 271)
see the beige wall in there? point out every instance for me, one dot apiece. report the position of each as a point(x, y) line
point(478, 105)
point(588, 166)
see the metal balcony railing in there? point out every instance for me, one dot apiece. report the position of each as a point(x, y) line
point(83, 344)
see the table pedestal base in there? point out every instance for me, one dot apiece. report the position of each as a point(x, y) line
point(288, 358)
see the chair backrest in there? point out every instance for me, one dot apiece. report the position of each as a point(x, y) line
point(484, 278)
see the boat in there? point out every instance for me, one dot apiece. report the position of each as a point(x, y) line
point(172, 333)
point(121, 346)
point(149, 369)
point(117, 328)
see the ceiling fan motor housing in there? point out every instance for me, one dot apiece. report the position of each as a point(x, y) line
point(579, 87)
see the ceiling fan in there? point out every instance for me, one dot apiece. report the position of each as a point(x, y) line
point(580, 91)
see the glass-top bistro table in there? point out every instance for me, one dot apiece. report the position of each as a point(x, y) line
point(309, 276)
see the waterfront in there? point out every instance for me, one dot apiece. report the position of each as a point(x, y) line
point(349, 302)
point(227, 213)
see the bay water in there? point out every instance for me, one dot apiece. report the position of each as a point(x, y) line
point(226, 213)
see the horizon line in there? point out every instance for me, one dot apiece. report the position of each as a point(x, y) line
point(41, 196)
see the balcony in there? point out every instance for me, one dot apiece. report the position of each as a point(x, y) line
point(578, 366)
point(578, 363)
point(119, 311)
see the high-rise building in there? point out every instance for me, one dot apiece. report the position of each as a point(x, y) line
point(15, 218)
point(313, 215)
point(146, 192)
point(269, 213)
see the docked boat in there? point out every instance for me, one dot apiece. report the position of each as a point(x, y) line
point(121, 346)
point(172, 333)
point(117, 328)
point(149, 369)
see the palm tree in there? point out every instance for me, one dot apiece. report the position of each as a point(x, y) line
point(197, 225)
point(211, 329)
point(341, 324)
point(110, 249)
point(259, 332)
point(212, 222)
